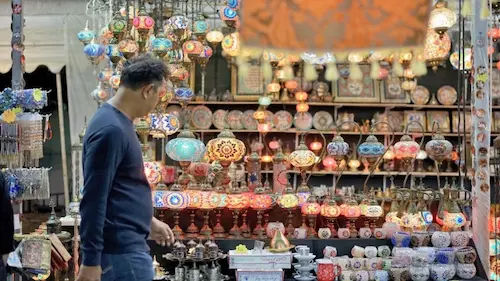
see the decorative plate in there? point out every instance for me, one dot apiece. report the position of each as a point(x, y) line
point(420, 95)
point(248, 121)
point(322, 121)
point(269, 118)
point(219, 119)
point(201, 117)
point(303, 121)
point(234, 119)
point(283, 120)
point(447, 95)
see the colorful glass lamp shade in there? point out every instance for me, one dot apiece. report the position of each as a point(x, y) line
point(113, 51)
point(330, 211)
point(436, 48)
point(438, 149)
point(94, 52)
point(118, 25)
point(214, 37)
point(163, 124)
point(226, 148)
point(161, 45)
point(85, 36)
point(185, 149)
point(442, 18)
point(231, 44)
point(209, 201)
point(200, 28)
point(152, 170)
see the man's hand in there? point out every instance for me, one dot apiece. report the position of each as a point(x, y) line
point(161, 232)
point(89, 273)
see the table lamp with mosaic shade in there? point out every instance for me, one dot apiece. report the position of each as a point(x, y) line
point(288, 201)
point(373, 151)
point(338, 149)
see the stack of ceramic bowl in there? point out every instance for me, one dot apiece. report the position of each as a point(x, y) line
point(444, 268)
point(402, 254)
point(465, 256)
point(305, 265)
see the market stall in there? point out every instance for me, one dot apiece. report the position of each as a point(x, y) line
point(355, 145)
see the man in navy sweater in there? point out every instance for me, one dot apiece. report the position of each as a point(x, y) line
point(116, 208)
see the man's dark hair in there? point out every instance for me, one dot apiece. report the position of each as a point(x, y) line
point(142, 70)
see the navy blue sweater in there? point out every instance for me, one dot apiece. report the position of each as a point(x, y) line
point(116, 207)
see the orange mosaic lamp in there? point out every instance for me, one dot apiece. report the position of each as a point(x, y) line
point(330, 211)
point(311, 209)
point(260, 201)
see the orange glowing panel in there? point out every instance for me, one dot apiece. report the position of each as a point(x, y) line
point(332, 25)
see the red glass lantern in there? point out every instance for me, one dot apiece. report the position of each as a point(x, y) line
point(237, 202)
point(274, 144)
point(260, 202)
point(330, 211)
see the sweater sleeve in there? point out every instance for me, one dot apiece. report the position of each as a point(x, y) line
point(103, 152)
point(6, 219)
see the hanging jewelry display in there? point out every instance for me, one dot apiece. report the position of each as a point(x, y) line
point(31, 140)
point(9, 144)
point(28, 184)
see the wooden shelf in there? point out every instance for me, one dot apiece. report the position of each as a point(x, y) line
point(295, 131)
point(380, 173)
point(336, 104)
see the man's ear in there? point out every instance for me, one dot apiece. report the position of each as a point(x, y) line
point(147, 90)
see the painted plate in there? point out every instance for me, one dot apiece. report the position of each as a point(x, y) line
point(282, 120)
point(322, 121)
point(175, 110)
point(303, 121)
point(201, 117)
point(269, 118)
point(234, 119)
point(248, 122)
point(420, 95)
point(219, 119)
point(447, 95)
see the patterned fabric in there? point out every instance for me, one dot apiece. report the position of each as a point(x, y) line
point(36, 254)
point(329, 25)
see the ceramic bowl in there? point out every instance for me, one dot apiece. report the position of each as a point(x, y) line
point(442, 272)
point(466, 270)
point(419, 273)
point(441, 239)
point(373, 264)
point(445, 256)
point(400, 273)
point(384, 251)
point(358, 252)
point(343, 233)
point(360, 275)
point(371, 252)
point(357, 263)
point(466, 255)
point(460, 238)
point(381, 275)
point(400, 239)
point(419, 259)
point(420, 239)
point(365, 232)
point(430, 252)
point(401, 261)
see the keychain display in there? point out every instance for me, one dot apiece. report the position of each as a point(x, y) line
point(28, 184)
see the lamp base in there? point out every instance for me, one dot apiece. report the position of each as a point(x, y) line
point(235, 231)
point(219, 231)
point(331, 226)
point(289, 228)
point(192, 230)
point(311, 231)
point(176, 230)
point(352, 228)
point(205, 230)
point(244, 228)
point(259, 231)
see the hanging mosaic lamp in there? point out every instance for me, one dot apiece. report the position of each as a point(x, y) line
point(229, 16)
point(214, 37)
point(178, 23)
point(163, 124)
point(128, 47)
point(94, 52)
point(161, 45)
point(441, 18)
point(406, 149)
point(468, 60)
point(100, 95)
point(85, 36)
point(113, 51)
point(200, 28)
point(231, 44)
point(183, 94)
point(436, 48)
point(118, 25)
